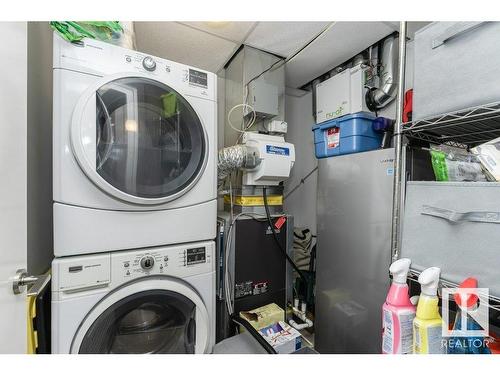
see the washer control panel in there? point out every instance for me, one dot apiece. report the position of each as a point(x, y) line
point(179, 261)
point(196, 256)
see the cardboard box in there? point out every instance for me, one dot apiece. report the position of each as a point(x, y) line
point(489, 155)
point(283, 338)
point(264, 316)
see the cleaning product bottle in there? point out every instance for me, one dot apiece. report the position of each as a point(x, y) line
point(398, 312)
point(427, 325)
point(467, 302)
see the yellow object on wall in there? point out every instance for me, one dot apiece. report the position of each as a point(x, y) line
point(36, 341)
point(252, 200)
point(32, 336)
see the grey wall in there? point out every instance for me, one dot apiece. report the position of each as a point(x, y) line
point(302, 203)
point(233, 94)
point(40, 231)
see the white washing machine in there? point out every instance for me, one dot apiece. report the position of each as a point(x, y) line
point(134, 150)
point(157, 300)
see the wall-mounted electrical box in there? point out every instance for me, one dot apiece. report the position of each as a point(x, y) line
point(341, 95)
point(263, 97)
point(248, 79)
point(276, 127)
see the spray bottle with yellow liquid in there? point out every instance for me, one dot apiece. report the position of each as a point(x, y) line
point(427, 325)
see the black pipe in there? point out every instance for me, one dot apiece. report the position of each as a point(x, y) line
point(256, 335)
point(276, 239)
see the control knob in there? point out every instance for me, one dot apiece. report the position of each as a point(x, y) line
point(147, 262)
point(148, 63)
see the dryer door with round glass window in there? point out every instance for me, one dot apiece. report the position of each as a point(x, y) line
point(161, 320)
point(139, 140)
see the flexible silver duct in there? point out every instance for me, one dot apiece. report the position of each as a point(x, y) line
point(236, 157)
point(378, 98)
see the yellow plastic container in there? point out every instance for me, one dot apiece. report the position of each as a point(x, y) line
point(427, 338)
point(427, 325)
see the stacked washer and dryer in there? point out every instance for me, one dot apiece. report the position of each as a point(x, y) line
point(134, 158)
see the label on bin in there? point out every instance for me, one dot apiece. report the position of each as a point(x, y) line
point(333, 137)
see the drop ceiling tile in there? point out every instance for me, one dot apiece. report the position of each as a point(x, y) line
point(232, 30)
point(284, 38)
point(183, 44)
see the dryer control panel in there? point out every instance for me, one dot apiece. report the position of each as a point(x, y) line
point(103, 59)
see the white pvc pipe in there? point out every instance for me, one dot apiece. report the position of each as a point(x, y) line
point(307, 324)
point(302, 315)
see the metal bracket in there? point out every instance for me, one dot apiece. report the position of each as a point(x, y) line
point(22, 279)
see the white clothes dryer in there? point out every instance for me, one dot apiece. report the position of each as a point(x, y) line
point(134, 150)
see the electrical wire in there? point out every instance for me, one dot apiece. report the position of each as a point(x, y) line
point(231, 204)
point(252, 119)
point(302, 181)
point(276, 239)
point(255, 334)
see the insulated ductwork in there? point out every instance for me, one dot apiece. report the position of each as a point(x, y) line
point(378, 98)
point(236, 157)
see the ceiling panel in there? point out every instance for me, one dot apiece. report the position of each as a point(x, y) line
point(180, 43)
point(197, 43)
point(234, 31)
point(341, 42)
point(283, 38)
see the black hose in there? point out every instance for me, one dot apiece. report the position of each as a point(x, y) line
point(256, 335)
point(276, 239)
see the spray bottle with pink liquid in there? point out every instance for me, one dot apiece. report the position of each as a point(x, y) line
point(398, 312)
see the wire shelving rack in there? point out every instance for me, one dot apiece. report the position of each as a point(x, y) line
point(465, 128)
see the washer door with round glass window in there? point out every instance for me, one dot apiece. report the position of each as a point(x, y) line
point(155, 315)
point(138, 139)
